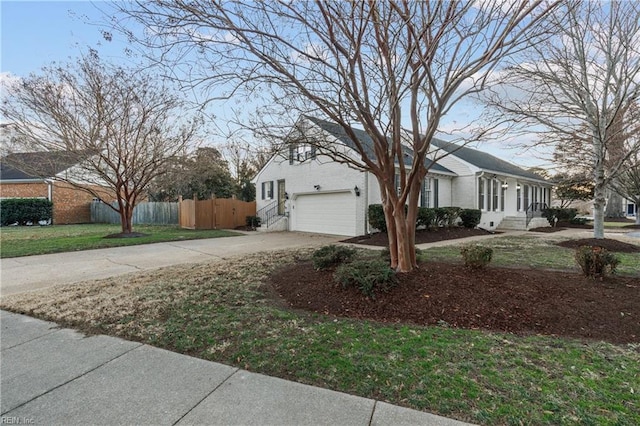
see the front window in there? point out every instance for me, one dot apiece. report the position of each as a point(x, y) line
point(425, 195)
point(267, 190)
point(495, 193)
point(481, 193)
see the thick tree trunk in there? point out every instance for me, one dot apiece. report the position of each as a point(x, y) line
point(598, 210)
point(126, 218)
point(404, 248)
point(391, 231)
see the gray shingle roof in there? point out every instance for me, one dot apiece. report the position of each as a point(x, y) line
point(38, 165)
point(338, 132)
point(484, 161)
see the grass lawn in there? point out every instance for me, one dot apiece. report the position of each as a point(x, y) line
point(530, 252)
point(30, 240)
point(223, 312)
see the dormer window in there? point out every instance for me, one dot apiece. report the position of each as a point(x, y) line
point(301, 152)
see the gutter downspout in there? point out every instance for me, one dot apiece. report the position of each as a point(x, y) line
point(366, 202)
point(49, 183)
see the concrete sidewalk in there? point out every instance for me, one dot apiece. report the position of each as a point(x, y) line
point(51, 375)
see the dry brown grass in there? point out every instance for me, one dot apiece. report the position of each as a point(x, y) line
point(108, 305)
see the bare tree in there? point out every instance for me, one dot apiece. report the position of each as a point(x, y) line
point(579, 88)
point(627, 185)
point(573, 187)
point(381, 65)
point(123, 125)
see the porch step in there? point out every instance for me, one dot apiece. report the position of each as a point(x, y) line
point(279, 223)
point(515, 223)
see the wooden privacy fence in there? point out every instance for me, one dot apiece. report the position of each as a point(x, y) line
point(150, 213)
point(216, 213)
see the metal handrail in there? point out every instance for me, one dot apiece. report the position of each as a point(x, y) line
point(269, 213)
point(535, 210)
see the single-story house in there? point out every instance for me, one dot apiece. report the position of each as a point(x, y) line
point(39, 174)
point(302, 189)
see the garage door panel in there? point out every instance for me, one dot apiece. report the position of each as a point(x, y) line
point(332, 213)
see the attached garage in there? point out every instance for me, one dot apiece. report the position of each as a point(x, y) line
point(325, 213)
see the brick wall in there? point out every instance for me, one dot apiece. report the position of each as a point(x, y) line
point(70, 205)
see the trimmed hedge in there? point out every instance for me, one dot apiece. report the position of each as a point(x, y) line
point(556, 214)
point(429, 217)
point(376, 217)
point(426, 217)
point(470, 217)
point(25, 210)
point(447, 216)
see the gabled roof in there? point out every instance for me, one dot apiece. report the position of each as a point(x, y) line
point(484, 161)
point(38, 165)
point(338, 132)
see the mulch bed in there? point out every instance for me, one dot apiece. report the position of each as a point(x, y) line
point(547, 229)
point(521, 301)
point(422, 236)
point(606, 243)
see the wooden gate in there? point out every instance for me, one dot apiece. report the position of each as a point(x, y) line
point(216, 213)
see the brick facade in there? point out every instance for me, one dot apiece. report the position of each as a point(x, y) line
point(70, 205)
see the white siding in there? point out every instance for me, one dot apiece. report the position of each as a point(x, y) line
point(302, 178)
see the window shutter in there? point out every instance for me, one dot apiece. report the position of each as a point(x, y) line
point(436, 203)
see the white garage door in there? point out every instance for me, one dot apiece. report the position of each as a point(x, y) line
point(333, 213)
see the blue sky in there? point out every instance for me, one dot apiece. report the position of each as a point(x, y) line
point(36, 33)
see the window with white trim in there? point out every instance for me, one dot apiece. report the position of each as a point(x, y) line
point(495, 192)
point(425, 193)
point(267, 190)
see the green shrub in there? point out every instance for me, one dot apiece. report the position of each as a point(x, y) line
point(447, 216)
point(476, 256)
point(331, 255)
point(426, 217)
point(376, 217)
point(579, 221)
point(25, 210)
point(368, 275)
point(253, 221)
point(470, 217)
point(596, 261)
point(556, 214)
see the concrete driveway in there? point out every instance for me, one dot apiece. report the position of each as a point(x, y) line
point(30, 273)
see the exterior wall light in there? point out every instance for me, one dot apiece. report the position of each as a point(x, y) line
point(316, 187)
point(505, 185)
point(357, 191)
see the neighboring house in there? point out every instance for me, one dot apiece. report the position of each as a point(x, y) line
point(302, 189)
point(35, 174)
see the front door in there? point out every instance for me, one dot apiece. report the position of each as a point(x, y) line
point(281, 197)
